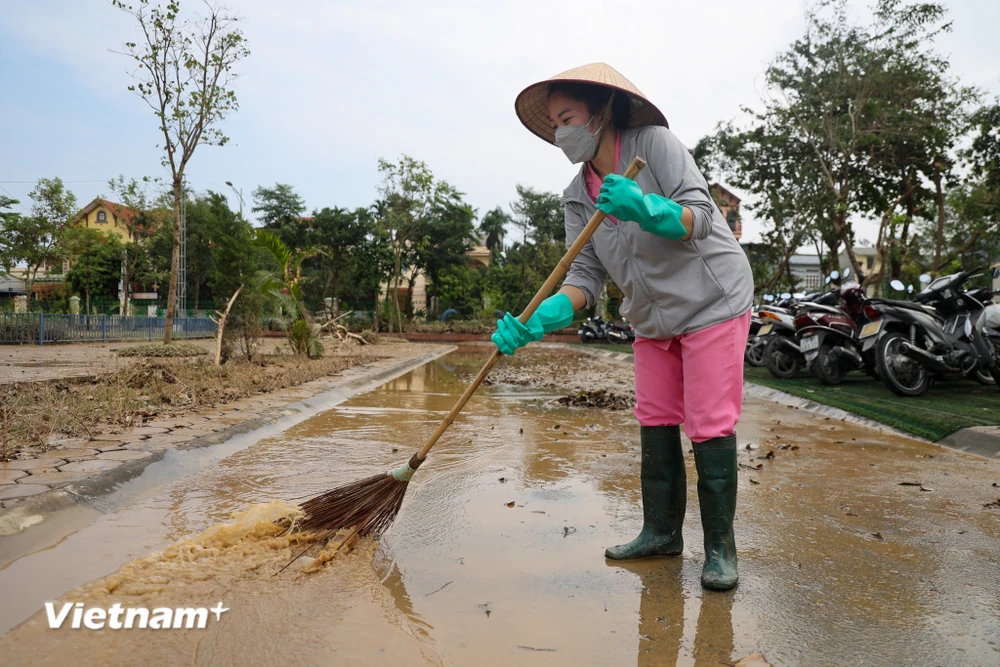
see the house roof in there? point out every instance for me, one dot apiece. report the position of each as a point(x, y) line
point(724, 190)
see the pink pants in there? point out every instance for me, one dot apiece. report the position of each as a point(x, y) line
point(695, 379)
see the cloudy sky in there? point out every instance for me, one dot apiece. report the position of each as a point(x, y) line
point(332, 86)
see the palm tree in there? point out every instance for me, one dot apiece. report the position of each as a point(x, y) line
point(493, 226)
point(285, 286)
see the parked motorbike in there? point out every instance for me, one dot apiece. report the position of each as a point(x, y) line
point(754, 352)
point(620, 332)
point(777, 336)
point(941, 332)
point(593, 330)
point(828, 334)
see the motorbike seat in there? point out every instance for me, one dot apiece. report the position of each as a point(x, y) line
point(909, 305)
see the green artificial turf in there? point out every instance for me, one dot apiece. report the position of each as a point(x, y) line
point(945, 408)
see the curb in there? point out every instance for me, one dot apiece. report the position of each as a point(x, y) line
point(105, 492)
point(981, 440)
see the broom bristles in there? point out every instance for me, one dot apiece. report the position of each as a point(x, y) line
point(370, 505)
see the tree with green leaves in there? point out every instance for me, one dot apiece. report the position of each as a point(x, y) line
point(847, 90)
point(185, 73)
point(493, 227)
point(96, 268)
point(35, 239)
point(338, 233)
point(447, 235)
point(280, 209)
point(284, 284)
point(408, 193)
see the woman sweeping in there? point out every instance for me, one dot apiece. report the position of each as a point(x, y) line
point(688, 290)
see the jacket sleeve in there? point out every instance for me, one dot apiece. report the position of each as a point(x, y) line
point(587, 273)
point(679, 178)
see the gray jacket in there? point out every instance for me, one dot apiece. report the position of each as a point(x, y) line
point(671, 287)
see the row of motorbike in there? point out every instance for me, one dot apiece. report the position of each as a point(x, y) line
point(599, 330)
point(947, 330)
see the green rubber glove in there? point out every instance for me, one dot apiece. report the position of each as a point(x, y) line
point(554, 313)
point(622, 198)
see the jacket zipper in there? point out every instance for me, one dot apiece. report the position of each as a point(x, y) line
point(634, 262)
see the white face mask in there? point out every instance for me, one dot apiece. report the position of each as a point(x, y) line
point(577, 142)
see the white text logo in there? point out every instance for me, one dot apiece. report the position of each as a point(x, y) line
point(119, 618)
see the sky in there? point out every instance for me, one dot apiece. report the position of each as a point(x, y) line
point(330, 87)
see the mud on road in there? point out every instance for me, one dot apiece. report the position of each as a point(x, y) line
point(856, 547)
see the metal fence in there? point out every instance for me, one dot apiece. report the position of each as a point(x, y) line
point(42, 328)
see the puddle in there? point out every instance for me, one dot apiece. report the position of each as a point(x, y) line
point(464, 578)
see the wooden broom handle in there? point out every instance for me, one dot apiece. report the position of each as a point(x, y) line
point(638, 164)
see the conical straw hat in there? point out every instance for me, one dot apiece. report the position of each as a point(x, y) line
point(532, 104)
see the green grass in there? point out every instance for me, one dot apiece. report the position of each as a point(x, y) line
point(945, 408)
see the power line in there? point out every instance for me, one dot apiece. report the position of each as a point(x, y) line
point(15, 199)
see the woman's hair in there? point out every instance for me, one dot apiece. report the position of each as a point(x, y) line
point(595, 96)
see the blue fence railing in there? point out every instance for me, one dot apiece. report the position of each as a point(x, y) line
point(42, 328)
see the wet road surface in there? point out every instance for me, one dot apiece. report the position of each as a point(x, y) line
point(497, 555)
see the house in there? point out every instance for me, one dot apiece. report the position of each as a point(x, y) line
point(808, 272)
point(729, 204)
point(477, 256)
point(109, 218)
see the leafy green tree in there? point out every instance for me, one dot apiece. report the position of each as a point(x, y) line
point(408, 193)
point(539, 214)
point(493, 226)
point(34, 239)
point(284, 283)
point(338, 233)
point(184, 72)
point(280, 209)
point(96, 270)
point(447, 235)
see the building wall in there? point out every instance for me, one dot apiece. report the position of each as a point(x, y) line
point(112, 225)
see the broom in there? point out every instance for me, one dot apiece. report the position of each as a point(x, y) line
point(370, 505)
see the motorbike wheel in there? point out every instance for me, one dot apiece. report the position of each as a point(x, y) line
point(755, 352)
point(588, 337)
point(827, 369)
point(781, 365)
point(902, 375)
point(990, 376)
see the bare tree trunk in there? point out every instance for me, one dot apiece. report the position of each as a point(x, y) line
point(175, 263)
point(125, 284)
point(222, 325)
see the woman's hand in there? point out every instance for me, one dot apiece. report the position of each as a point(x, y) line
point(622, 198)
point(554, 313)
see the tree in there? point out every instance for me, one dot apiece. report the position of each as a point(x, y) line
point(541, 213)
point(447, 235)
point(840, 89)
point(285, 286)
point(407, 195)
point(35, 239)
point(184, 72)
point(338, 233)
point(494, 227)
point(280, 209)
point(96, 268)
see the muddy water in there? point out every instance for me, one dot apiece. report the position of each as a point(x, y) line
point(840, 564)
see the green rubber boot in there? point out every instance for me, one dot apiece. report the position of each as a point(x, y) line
point(664, 497)
point(715, 460)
